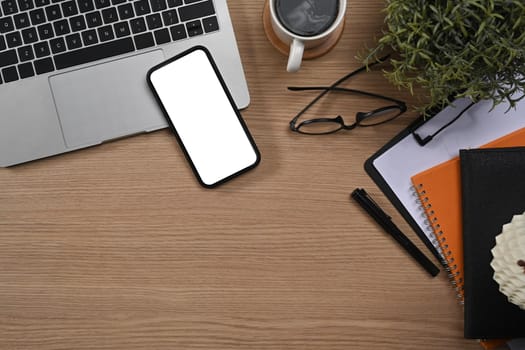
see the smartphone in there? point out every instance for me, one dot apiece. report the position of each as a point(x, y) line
point(203, 116)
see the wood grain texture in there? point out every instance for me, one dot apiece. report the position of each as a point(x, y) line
point(117, 247)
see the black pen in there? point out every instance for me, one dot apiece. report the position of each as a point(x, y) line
point(385, 221)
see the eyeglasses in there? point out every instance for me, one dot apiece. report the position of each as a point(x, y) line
point(424, 140)
point(323, 126)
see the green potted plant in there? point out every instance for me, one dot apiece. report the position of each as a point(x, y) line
point(456, 48)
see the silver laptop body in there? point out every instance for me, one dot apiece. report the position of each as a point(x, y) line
point(94, 102)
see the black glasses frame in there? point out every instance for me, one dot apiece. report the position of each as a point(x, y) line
point(360, 117)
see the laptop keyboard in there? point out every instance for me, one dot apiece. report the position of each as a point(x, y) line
point(40, 36)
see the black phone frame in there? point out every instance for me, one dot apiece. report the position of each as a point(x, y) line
point(230, 99)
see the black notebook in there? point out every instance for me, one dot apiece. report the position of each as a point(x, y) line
point(493, 191)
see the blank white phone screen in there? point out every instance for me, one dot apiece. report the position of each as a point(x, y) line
point(203, 117)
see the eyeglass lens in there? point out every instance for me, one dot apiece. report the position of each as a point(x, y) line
point(379, 116)
point(321, 126)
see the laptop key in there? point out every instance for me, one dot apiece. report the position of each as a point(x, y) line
point(142, 7)
point(25, 5)
point(178, 32)
point(194, 28)
point(210, 24)
point(138, 25)
point(122, 29)
point(8, 58)
point(73, 41)
point(42, 3)
point(89, 37)
point(9, 7)
point(26, 70)
point(86, 5)
point(170, 17)
point(45, 31)
point(3, 45)
point(93, 53)
point(174, 3)
point(53, 12)
point(41, 49)
point(38, 16)
point(61, 27)
point(143, 41)
point(57, 45)
point(158, 5)
point(29, 35)
point(69, 8)
point(13, 39)
point(106, 33)
point(154, 21)
point(109, 15)
point(44, 65)
point(77, 23)
point(21, 20)
point(94, 19)
point(125, 11)
point(102, 3)
point(25, 53)
point(201, 9)
point(10, 74)
point(162, 36)
point(6, 25)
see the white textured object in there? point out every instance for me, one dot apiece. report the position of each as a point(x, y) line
point(509, 260)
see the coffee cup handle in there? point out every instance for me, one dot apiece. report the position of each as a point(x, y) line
point(296, 55)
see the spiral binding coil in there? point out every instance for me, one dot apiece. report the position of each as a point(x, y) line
point(432, 224)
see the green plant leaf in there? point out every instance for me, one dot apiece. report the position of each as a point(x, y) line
point(473, 46)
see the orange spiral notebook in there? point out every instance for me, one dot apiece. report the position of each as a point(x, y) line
point(439, 191)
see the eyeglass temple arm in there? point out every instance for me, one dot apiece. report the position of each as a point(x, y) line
point(340, 89)
point(359, 70)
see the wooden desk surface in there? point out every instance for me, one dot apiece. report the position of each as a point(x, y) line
point(117, 246)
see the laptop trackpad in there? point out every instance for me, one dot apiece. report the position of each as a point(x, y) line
point(107, 101)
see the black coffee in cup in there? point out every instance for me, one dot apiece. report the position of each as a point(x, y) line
point(307, 17)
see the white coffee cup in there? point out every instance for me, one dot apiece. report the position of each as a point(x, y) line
point(298, 43)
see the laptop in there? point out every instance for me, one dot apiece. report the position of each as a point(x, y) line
point(73, 72)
